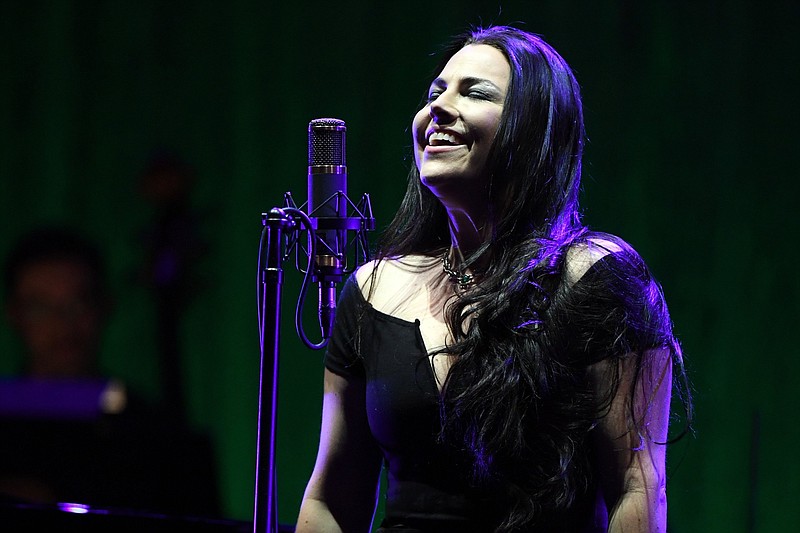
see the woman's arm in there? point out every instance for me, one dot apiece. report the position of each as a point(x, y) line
point(631, 456)
point(342, 492)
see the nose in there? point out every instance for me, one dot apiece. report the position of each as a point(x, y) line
point(442, 110)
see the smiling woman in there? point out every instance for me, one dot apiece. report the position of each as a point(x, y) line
point(454, 132)
point(512, 369)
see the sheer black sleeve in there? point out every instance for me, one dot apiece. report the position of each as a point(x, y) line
point(616, 308)
point(342, 356)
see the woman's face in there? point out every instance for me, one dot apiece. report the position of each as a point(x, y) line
point(455, 130)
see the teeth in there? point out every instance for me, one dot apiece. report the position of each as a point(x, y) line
point(440, 138)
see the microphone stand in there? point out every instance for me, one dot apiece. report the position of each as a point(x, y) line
point(265, 519)
point(281, 229)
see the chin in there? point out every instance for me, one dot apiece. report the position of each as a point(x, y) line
point(454, 192)
point(448, 179)
point(439, 182)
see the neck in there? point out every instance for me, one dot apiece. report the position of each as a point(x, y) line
point(468, 230)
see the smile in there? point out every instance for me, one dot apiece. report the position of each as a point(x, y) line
point(441, 138)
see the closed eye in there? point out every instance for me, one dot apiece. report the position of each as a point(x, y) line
point(478, 95)
point(470, 87)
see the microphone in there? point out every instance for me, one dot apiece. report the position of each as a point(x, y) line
point(327, 209)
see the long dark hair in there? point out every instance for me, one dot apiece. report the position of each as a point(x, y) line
point(535, 159)
point(517, 398)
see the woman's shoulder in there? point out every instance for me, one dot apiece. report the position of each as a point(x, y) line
point(389, 284)
point(392, 270)
point(597, 247)
point(612, 296)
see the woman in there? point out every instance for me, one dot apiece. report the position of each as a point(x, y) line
point(511, 368)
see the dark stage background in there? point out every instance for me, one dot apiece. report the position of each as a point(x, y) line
point(691, 112)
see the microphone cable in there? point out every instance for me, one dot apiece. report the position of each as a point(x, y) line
point(306, 223)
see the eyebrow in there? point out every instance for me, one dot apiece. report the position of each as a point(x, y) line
point(468, 81)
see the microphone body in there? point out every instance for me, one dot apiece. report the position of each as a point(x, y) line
point(327, 209)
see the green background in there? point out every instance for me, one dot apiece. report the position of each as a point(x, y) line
point(691, 113)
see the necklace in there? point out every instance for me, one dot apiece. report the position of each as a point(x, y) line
point(463, 279)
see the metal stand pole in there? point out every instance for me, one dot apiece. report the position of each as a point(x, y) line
point(277, 223)
point(265, 518)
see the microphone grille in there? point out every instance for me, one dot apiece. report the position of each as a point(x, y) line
point(326, 142)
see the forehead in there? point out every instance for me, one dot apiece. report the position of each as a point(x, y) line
point(478, 61)
point(54, 276)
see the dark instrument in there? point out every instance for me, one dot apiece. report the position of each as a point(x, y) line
point(75, 518)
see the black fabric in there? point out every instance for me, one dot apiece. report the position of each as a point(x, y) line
point(427, 480)
point(429, 487)
point(123, 461)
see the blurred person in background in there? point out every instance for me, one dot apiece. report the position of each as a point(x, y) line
point(71, 432)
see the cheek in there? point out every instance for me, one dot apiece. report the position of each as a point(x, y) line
point(418, 126)
point(492, 123)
